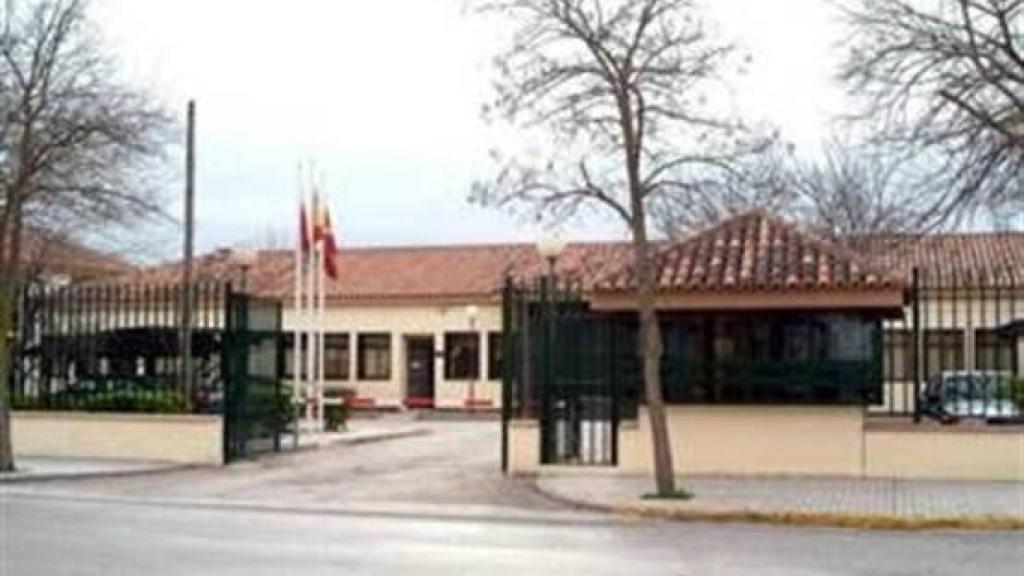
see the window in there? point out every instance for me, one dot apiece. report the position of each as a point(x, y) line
point(992, 350)
point(494, 355)
point(336, 359)
point(289, 355)
point(781, 357)
point(943, 350)
point(461, 355)
point(374, 356)
point(898, 354)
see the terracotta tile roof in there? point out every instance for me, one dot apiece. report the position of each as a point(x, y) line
point(755, 251)
point(407, 273)
point(988, 258)
point(49, 254)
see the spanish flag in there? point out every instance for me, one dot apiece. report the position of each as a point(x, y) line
point(303, 228)
point(319, 219)
point(330, 248)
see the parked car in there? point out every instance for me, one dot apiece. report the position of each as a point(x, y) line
point(954, 394)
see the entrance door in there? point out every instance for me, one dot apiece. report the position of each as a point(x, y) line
point(419, 371)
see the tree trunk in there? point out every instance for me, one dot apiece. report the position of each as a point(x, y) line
point(6, 315)
point(651, 348)
point(10, 256)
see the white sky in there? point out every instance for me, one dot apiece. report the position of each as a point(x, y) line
point(385, 96)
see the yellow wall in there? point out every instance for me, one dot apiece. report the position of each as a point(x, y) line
point(156, 437)
point(402, 320)
point(750, 440)
point(800, 440)
point(523, 446)
point(954, 453)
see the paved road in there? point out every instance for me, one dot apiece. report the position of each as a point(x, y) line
point(457, 463)
point(43, 535)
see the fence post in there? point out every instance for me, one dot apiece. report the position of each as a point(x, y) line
point(915, 294)
point(506, 332)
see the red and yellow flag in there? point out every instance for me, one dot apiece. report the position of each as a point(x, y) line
point(319, 212)
point(330, 248)
point(303, 228)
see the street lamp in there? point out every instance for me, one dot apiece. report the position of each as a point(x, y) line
point(473, 313)
point(549, 249)
point(244, 258)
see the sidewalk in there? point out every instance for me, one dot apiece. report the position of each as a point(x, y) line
point(854, 502)
point(39, 468)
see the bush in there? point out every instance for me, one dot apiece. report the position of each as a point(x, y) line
point(1017, 393)
point(146, 402)
point(335, 416)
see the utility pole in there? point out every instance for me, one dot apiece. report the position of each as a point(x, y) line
point(186, 271)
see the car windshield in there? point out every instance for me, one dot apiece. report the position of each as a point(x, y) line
point(972, 386)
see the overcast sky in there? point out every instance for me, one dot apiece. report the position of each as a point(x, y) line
point(385, 96)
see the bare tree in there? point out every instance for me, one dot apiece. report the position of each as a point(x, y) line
point(621, 102)
point(759, 175)
point(854, 191)
point(76, 142)
point(944, 82)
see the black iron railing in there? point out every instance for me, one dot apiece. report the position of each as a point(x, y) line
point(116, 348)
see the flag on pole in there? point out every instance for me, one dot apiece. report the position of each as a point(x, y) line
point(303, 228)
point(318, 218)
point(330, 248)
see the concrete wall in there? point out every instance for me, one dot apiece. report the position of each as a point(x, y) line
point(155, 437)
point(523, 446)
point(401, 320)
point(908, 451)
point(750, 440)
point(801, 440)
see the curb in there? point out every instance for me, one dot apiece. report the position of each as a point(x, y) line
point(98, 474)
point(385, 436)
point(368, 439)
point(794, 517)
point(359, 510)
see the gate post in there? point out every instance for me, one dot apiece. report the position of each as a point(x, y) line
point(915, 312)
point(506, 334)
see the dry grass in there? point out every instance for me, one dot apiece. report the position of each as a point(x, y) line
point(833, 519)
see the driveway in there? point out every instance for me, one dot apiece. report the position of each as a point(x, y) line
point(456, 463)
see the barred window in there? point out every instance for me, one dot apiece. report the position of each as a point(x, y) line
point(898, 354)
point(461, 355)
point(943, 350)
point(374, 356)
point(336, 357)
point(992, 350)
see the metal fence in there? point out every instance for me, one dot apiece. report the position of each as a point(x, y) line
point(956, 351)
point(558, 367)
point(117, 348)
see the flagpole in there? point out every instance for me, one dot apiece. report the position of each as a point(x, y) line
point(297, 347)
point(310, 287)
point(320, 318)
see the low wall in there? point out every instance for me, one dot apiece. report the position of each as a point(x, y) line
point(157, 437)
point(800, 440)
point(958, 452)
point(750, 440)
point(523, 446)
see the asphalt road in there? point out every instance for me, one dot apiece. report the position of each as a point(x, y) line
point(46, 535)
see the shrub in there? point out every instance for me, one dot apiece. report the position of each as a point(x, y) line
point(335, 416)
point(149, 402)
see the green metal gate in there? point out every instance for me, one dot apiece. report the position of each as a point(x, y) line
point(560, 367)
point(257, 409)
